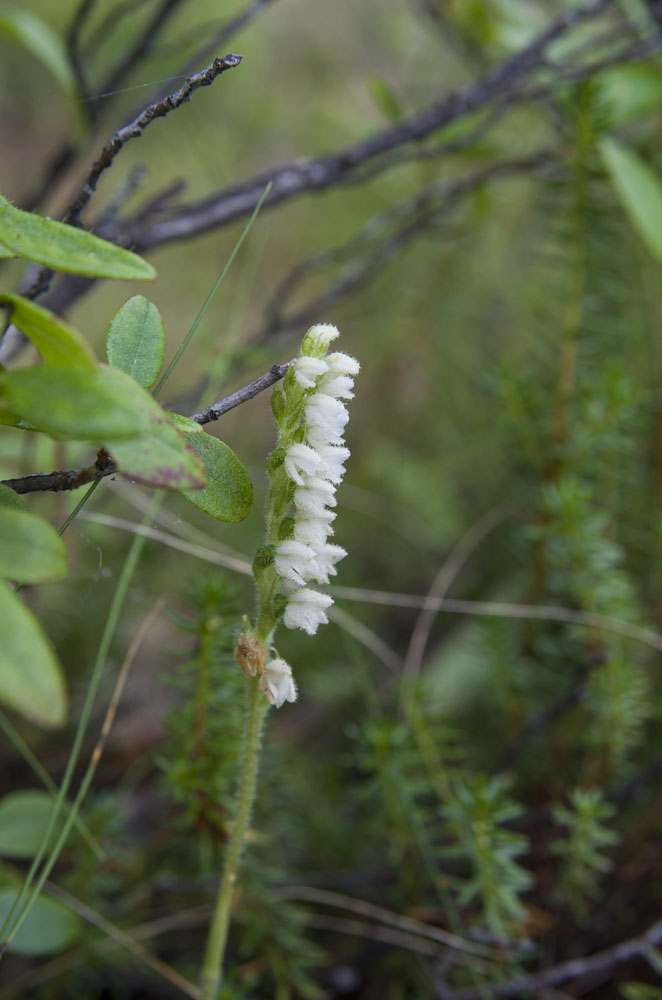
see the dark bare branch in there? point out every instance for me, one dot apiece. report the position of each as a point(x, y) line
point(71, 479)
point(316, 174)
point(136, 127)
point(119, 139)
point(590, 966)
point(379, 241)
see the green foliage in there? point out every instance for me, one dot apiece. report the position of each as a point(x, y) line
point(24, 818)
point(581, 850)
point(228, 495)
point(135, 342)
point(37, 37)
point(32, 681)
point(639, 189)
point(65, 248)
point(496, 880)
point(204, 729)
point(60, 345)
point(49, 929)
point(30, 550)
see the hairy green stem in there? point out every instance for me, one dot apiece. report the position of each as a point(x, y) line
point(218, 932)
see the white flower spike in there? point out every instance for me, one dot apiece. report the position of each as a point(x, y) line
point(311, 415)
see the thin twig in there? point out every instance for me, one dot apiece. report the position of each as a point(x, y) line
point(220, 38)
point(123, 939)
point(136, 127)
point(311, 894)
point(591, 965)
point(57, 482)
point(500, 609)
point(442, 581)
point(122, 678)
point(316, 174)
point(203, 552)
point(216, 410)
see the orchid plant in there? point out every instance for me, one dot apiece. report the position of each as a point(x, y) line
point(304, 471)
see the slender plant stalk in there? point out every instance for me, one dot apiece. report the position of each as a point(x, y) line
point(218, 932)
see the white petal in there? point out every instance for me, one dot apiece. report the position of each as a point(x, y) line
point(307, 370)
point(331, 462)
point(277, 683)
point(342, 364)
point(325, 418)
point(312, 531)
point(292, 559)
point(305, 610)
point(324, 563)
point(314, 496)
point(301, 457)
point(338, 386)
point(320, 336)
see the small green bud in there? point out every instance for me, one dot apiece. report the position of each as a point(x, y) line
point(317, 340)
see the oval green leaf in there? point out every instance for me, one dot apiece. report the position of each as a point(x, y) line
point(59, 344)
point(102, 406)
point(135, 341)
point(161, 457)
point(30, 677)
point(24, 818)
point(66, 248)
point(48, 929)
point(639, 189)
point(228, 495)
point(30, 549)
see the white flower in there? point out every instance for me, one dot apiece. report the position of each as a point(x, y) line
point(325, 420)
point(331, 465)
point(301, 457)
point(314, 496)
point(305, 609)
point(314, 531)
point(277, 683)
point(324, 563)
point(292, 559)
point(338, 386)
point(307, 370)
point(342, 364)
point(319, 337)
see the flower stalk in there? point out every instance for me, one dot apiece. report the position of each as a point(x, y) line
point(218, 932)
point(304, 470)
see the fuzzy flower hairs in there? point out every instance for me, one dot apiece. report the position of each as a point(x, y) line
point(304, 470)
